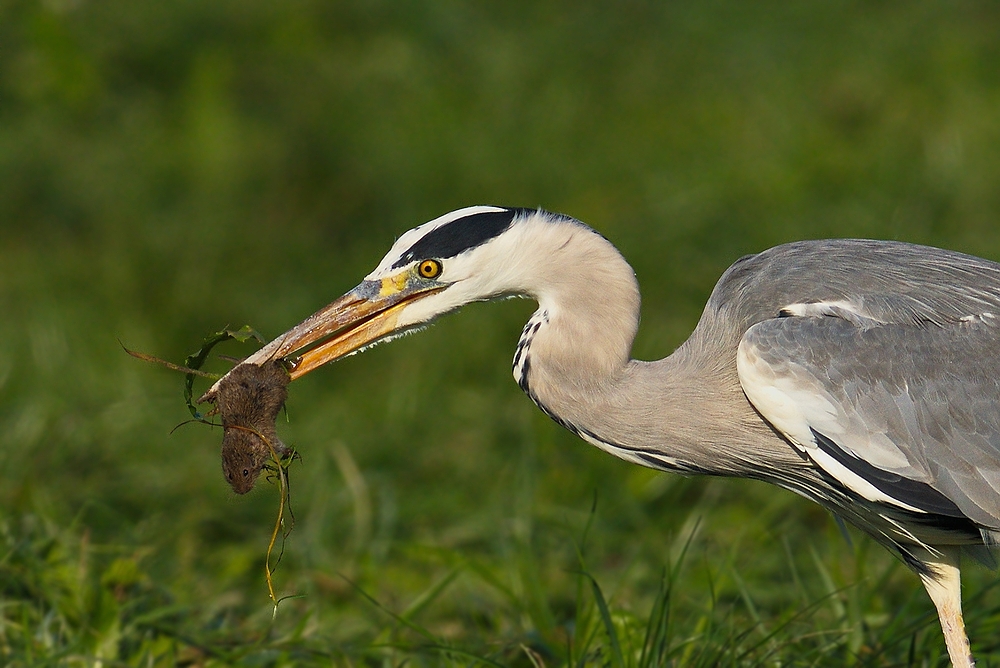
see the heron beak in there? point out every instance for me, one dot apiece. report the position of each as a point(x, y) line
point(360, 318)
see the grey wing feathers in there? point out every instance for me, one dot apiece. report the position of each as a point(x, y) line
point(902, 413)
point(890, 282)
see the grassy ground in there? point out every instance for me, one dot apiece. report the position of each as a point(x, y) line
point(170, 168)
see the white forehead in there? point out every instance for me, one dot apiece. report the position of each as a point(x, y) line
point(404, 242)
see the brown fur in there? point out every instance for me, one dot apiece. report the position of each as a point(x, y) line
point(249, 399)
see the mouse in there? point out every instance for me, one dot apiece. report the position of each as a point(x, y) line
point(248, 401)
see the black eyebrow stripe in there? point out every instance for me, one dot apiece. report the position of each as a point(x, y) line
point(460, 235)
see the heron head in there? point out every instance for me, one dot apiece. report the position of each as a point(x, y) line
point(464, 256)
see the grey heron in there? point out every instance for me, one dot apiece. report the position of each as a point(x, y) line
point(863, 375)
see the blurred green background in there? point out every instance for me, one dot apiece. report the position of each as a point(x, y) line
point(168, 168)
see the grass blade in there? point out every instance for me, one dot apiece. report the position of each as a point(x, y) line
point(617, 659)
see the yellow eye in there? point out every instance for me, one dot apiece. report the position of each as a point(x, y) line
point(429, 268)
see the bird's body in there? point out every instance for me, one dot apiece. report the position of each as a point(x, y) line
point(863, 375)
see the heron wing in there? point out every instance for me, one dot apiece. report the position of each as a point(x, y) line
point(903, 414)
point(888, 281)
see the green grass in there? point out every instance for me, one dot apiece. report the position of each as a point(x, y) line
point(171, 168)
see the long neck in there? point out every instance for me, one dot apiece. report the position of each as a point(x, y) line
point(685, 412)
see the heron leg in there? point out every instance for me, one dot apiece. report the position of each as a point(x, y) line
point(943, 584)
